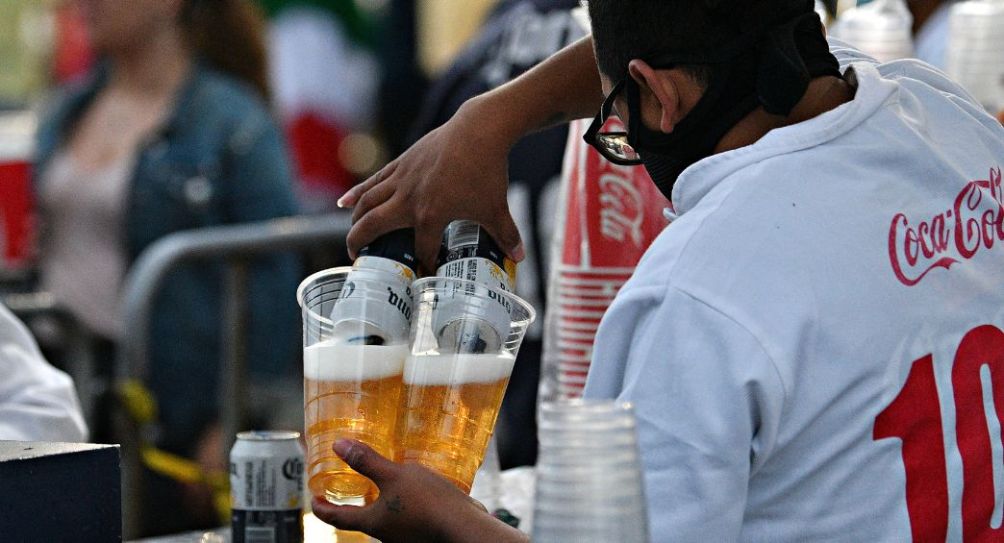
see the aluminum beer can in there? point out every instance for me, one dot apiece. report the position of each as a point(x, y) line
point(370, 313)
point(266, 487)
point(468, 252)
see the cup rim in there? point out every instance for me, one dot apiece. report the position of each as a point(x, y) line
point(339, 270)
point(419, 284)
point(314, 276)
point(580, 405)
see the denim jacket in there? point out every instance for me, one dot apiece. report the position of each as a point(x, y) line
point(219, 159)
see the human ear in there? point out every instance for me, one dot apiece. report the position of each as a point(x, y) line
point(663, 89)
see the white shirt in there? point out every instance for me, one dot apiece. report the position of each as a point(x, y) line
point(37, 402)
point(767, 329)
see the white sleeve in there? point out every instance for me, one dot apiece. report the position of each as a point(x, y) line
point(708, 401)
point(37, 402)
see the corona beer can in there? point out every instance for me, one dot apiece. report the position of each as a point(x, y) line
point(367, 315)
point(266, 487)
point(469, 253)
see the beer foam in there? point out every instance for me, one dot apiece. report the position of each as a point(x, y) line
point(335, 360)
point(454, 369)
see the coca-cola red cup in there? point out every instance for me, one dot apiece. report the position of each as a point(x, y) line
point(15, 202)
point(611, 215)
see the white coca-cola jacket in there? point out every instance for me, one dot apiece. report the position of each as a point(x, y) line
point(815, 348)
point(37, 402)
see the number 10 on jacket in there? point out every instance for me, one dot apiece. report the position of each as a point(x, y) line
point(914, 416)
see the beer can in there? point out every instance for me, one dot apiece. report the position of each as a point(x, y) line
point(266, 487)
point(378, 316)
point(469, 253)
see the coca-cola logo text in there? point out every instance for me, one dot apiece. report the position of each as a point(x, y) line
point(975, 221)
point(621, 207)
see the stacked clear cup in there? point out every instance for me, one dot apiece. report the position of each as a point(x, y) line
point(464, 341)
point(882, 29)
point(589, 483)
point(355, 341)
point(975, 50)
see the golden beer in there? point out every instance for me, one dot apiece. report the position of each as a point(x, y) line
point(350, 392)
point(448, 411)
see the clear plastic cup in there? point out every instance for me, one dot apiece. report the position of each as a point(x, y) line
point(464, 342)
point(882, 29)
point(352, 367)
point(589, 483)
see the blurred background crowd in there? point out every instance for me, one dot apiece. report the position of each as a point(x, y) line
point(124, 121)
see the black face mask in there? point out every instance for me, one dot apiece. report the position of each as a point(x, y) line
point(770, 68)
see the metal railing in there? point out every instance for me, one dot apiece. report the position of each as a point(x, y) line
point(235, 245)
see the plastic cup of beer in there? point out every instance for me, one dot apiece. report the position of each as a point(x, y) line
point(464, 341)
point(353, 357)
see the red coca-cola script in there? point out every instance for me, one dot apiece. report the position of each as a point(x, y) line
point(973, 222)
point(613, 212)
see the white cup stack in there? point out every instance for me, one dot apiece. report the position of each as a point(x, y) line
point(975, 51)
point(881, 29)
point(589, 483)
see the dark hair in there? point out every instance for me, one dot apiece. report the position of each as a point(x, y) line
point(624, 30)
point(229, 34)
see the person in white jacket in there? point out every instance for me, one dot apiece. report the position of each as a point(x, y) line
point(37, 401)
point(814, 348)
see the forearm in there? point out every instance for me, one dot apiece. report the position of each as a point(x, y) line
point(483, 528)
point(560, 89)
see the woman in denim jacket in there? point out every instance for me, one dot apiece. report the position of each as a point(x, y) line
point(170, 133)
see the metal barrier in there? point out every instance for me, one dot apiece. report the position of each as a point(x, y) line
point(235, 245)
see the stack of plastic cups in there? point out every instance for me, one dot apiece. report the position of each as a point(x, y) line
point(975, 51)
point(583, 297)
point(610, 215)
point(589, 484)
point(881, 29)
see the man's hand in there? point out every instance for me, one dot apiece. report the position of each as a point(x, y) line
point(415, 505)
point(458, 171)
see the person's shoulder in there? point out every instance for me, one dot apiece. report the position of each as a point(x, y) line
point(59, 108)
point(225, 94)
point(59, 102)
point(912, 69)
point(220, 104)
point(935, 95)
point(659, 269)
